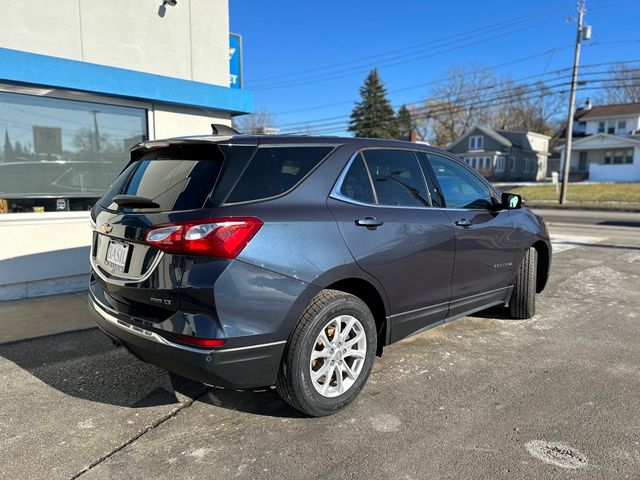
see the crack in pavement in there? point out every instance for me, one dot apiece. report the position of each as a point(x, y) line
point(139, 435)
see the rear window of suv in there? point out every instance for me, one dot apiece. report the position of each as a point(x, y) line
point(276, 170)
point(179, 177)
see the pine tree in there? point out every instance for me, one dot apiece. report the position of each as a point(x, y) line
point(373, 116)
point(404, 124)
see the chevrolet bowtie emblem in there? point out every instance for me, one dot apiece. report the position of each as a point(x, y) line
point(106, 228)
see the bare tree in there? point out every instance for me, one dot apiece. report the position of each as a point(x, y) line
point(453, 105)
point(259, 122)
point(625, 85)
point(470, 96)
point(533, 107)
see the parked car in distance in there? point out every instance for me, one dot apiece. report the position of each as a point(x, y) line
point(246, 261)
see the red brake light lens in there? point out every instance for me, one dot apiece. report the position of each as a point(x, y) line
point(199, 342)
point(215, 237)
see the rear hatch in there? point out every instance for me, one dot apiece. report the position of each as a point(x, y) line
point(163, 184)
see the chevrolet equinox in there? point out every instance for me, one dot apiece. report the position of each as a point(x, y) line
point(246, 261)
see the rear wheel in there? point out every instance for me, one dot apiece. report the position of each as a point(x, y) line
point(523, 299)
point(329, 355)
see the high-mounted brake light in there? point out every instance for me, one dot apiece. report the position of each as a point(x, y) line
point(214, 237)
point(199, 342)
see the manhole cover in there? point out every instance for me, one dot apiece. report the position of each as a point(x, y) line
point(557, 454)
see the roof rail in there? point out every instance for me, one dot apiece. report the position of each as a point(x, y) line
point(219, 129)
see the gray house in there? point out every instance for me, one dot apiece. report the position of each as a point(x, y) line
point(503, 155)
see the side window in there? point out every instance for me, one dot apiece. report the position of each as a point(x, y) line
point(397, 178)
point(437, 199)
point(356, 184)
point(460, 187)
point(275, 170)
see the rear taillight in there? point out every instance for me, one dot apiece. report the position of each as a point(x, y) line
point(215, 237)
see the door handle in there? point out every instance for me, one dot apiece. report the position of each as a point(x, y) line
point(369, 222)
point(463, 222)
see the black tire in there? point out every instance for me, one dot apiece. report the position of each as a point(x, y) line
point(294, 382)
point(523, 299)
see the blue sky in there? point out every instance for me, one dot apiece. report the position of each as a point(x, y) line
point(307, 55)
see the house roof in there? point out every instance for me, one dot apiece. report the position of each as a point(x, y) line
point(614, 110)
point(487, 131)
point(596, 141)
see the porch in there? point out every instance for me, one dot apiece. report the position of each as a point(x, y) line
point(604, 158)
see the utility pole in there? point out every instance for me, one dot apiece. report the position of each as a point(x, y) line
point(583, 33)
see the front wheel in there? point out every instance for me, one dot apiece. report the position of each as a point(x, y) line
point(330, 354)
point(523, 299)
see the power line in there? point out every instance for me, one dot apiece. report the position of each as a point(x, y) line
point(486, 102)
point(357, 70)
point(519, 19)
point(474, 89)
point(424, 84)
point(385, 63)
point(489, 68)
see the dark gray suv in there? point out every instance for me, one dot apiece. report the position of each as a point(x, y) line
point(245, 261)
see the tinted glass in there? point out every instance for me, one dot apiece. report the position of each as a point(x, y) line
point(68, 149)
point(356, 184)
point(437, 199)
point(397, 178)
point(276, 170)
point(176, 178)
point(460, 187)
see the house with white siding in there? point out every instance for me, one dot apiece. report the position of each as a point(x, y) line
point(606, 143)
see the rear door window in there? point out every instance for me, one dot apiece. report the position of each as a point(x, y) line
point(397, 178)
point(356, 184)
point(275, 170)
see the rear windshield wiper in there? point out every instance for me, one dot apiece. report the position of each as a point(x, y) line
point(134, 201)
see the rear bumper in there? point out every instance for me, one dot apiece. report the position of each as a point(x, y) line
point(242, 367)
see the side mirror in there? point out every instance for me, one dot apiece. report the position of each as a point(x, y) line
point(511, 201)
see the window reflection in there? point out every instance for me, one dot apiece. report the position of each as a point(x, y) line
point(54, 149)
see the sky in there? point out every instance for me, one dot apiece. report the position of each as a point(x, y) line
point(305, 61)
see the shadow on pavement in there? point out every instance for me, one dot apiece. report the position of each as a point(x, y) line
point(84, 364)
point(619, 223)
point(264, 402)
point(498, 313)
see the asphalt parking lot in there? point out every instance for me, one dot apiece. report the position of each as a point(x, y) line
point(556, 396)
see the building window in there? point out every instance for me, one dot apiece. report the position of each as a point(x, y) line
point(62, 154)
point(611, 127)
point(500, 164)
point(622, 126)
point(600, 127)
point(618, 157)
point(628, 158)
point(512, 164)
point(476, 142)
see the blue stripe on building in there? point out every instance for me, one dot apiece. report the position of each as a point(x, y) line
point(46, 71)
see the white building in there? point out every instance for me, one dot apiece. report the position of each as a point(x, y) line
point(606, 144)
point(81, 81)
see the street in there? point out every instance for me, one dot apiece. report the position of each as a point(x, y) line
point(481, 397)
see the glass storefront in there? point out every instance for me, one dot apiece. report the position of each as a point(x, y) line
point(60, 154)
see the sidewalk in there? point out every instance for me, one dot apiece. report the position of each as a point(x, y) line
point(37, 317)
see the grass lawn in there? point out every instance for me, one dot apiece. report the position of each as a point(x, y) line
point(616, 196)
